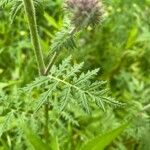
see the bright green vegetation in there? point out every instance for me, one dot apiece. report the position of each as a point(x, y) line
point(50, 100)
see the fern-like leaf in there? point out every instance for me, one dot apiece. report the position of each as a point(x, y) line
point(17, 5)
point(69, 83)
point(63, 40)
point(3, 3)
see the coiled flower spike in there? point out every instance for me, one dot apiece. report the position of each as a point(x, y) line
point(85, 12)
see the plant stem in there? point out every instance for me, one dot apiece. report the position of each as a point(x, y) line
point(55, 55)
point(30, 12)
point(46, 130)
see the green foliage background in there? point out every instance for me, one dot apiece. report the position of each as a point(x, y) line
point(120, 47)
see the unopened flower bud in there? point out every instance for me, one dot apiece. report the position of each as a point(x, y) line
point(85, 12)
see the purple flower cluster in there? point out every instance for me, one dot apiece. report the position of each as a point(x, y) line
point(85, 12)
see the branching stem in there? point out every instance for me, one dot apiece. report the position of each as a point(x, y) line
point(30, 12)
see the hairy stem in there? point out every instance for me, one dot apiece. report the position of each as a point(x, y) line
point(30, 12)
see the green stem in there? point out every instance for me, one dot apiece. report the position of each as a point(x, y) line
point(30, 12)
point(49, 66)
point(46, 130)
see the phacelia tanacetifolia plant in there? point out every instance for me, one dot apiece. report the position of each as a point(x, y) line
point(64, 90)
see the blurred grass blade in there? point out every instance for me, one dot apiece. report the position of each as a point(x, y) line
point(54, 145)
point(51, 20)
point(4, 145)
point(101, 141)
point(34, 140)
point(132, 38)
